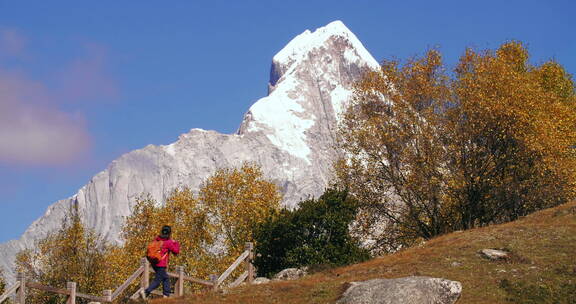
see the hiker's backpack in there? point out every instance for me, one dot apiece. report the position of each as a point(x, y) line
point(154, 252)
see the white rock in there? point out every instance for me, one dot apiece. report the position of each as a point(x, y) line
point(409, 290)
point(494, 254)
point(290, 274)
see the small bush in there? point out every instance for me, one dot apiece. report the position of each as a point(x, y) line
point(314, 234)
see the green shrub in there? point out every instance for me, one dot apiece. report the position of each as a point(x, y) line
point(314, 234)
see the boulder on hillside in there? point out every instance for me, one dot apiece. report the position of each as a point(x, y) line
point(494, 254)
point(408, 290)
point(291, 274)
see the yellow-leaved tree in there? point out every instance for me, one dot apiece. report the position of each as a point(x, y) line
point(3, 287)
point(429, 152)
point(211, 227)
point(237, 199)
point(189, 225)
point(2, 283)
point(71, 254)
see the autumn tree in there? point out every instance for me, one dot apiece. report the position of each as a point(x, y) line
point(237, 199)
point(431, 152)
point(2, 282)
point(189, 225)
point(73, 253)
point(3, 287)
point(211, 226)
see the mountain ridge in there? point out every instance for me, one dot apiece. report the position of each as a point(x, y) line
point(289, 133)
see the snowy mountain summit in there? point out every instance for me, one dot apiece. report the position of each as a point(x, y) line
point(290, 133)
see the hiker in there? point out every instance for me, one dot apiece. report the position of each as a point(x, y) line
point(158, 254)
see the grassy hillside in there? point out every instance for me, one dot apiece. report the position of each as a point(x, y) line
point(543, 266)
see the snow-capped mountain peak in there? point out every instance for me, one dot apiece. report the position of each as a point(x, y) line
point(290, 133)
point(299, 47)
point(310, 64)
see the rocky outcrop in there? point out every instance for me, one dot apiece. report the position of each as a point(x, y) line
point(290, 133)
point(409, 290)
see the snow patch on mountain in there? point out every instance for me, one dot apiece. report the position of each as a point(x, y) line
point(282, 112)
point(170, 149)
point(340, 97)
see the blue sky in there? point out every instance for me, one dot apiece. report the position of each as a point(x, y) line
point(82, 82)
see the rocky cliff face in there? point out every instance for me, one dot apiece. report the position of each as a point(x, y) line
point(290, 133)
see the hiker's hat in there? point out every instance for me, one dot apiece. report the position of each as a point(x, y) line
point(166, 230)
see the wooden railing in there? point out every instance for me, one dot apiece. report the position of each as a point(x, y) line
point(18, 290)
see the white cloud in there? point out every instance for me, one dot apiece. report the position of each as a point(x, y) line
point(32, 130)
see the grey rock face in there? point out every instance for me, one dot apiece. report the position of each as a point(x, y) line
point(290, 133)
point(409, 290)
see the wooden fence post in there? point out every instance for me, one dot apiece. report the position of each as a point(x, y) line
point(71, 286)
point(21, 295)
point(214, 280)
point(180, 282)
point(248, 262)
point(146, 274)
point(108, 295)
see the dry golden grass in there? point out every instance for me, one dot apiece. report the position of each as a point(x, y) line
point(543, 246)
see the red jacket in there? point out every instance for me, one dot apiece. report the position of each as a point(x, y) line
point(167, 247)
